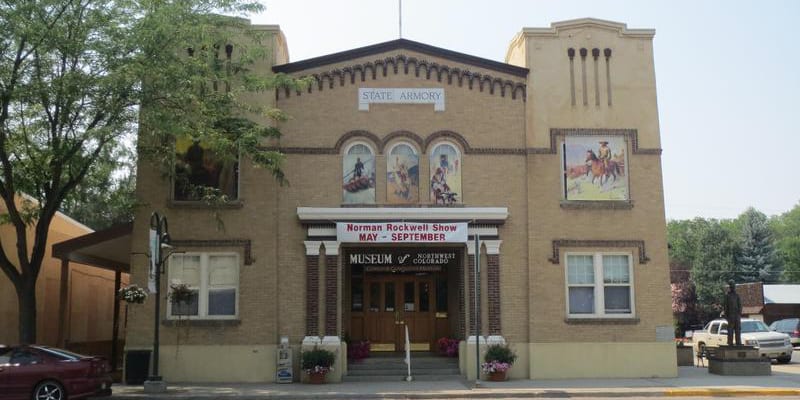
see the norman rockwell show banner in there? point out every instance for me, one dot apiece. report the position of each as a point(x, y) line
point(401, 232)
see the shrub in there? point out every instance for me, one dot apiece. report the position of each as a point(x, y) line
point(500, 353)
point(317, 361)
point(498, 358)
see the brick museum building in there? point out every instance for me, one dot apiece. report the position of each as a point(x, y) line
point(397, 156)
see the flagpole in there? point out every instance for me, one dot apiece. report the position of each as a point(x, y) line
point(400, 19)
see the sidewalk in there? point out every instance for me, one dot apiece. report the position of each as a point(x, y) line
point(691, 381)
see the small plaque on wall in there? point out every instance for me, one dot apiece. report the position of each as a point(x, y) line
point(665, 333)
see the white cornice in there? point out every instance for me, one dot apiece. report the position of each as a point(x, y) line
point(621, 28)
point(496, 215)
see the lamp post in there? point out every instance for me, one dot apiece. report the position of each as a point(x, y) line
point(477, 309)
point(159, 238)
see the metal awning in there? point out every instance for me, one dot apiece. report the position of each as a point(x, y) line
point(108, 249)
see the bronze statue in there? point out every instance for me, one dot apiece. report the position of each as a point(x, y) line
point(732, 311)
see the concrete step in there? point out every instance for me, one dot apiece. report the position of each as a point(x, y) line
point(401, 378)
point(402, 365)
point(403, 371)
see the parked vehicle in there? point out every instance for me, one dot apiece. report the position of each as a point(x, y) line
point(755, 333)
point(789, 326)
point(42, 372)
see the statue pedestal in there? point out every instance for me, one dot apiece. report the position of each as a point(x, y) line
point(738, 361)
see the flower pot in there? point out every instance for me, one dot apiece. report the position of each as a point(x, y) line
point(497, 376)
point(316, 378)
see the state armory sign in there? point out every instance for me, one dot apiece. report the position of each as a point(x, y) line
point(367, 96)
point(401, 232)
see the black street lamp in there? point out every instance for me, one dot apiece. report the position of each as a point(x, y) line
point(159, 238)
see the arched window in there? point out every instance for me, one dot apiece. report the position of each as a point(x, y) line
point(402, 175)
point(445, 169)
point(358, 172)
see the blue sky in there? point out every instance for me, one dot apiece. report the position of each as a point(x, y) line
point(728, 76)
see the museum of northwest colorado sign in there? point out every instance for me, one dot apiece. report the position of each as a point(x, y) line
point(401, 232)
point(367, 96)
point(403, 259)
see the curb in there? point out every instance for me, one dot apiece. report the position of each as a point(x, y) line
point(480, 394)
point(730, 392)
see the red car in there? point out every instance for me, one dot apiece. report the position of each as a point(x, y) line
point(46, 373)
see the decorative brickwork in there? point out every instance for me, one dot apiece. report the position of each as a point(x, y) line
point(558, 244)
point(244, 243)
point(404, 64)
point(493, 292)
point(331, 295)
point(404, 135)
point(471, 282)
point(359, 134)
point(558, 133)
point(380, 144)
point(462, 315)
point(312, 291)
point(597, 205)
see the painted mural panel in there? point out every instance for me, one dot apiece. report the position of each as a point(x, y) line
point(402, 175)
point(445, 166)
point(358, 170)
point(594, 168)
point(198, 171)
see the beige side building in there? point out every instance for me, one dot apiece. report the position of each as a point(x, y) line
point(401, 157)
point(83, 292)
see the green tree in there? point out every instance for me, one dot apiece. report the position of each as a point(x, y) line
point(74, 75)
point(707, 249)
point(107, 196)
point(756, 260)
point(786, 229)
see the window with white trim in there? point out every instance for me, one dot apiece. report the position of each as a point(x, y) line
point(599, 285)
point(213, 279)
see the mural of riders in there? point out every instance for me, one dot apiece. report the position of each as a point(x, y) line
point(445, 164)
point(594, 168)
point(402, 175)
point(198, 169)
point(358, 170)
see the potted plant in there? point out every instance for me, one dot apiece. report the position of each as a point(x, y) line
point(447, 347)
point(497, 361)
point(179, 293)
point(133, 294)
point(684, 353)
point(317, 363)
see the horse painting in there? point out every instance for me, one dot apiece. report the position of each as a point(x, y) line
point(600, 170)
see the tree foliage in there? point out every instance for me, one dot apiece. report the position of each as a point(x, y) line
point(74, 76)
point(750, 248)
point(786, 230)
point(755, 260)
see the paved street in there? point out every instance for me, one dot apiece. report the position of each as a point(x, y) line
point(693, 382)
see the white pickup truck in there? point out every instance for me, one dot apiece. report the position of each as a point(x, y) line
point(755, 333)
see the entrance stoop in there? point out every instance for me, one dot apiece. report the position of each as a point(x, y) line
point(391, 367)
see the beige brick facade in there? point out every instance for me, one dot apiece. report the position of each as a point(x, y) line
point(509, 122)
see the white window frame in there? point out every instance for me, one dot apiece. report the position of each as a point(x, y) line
point(599, 293)
point(355, 143)
point(203, 289)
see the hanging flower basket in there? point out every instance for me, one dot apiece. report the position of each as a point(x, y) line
point(133, 294)
point(180, 293)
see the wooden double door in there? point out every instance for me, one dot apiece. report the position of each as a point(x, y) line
point(394, 302)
